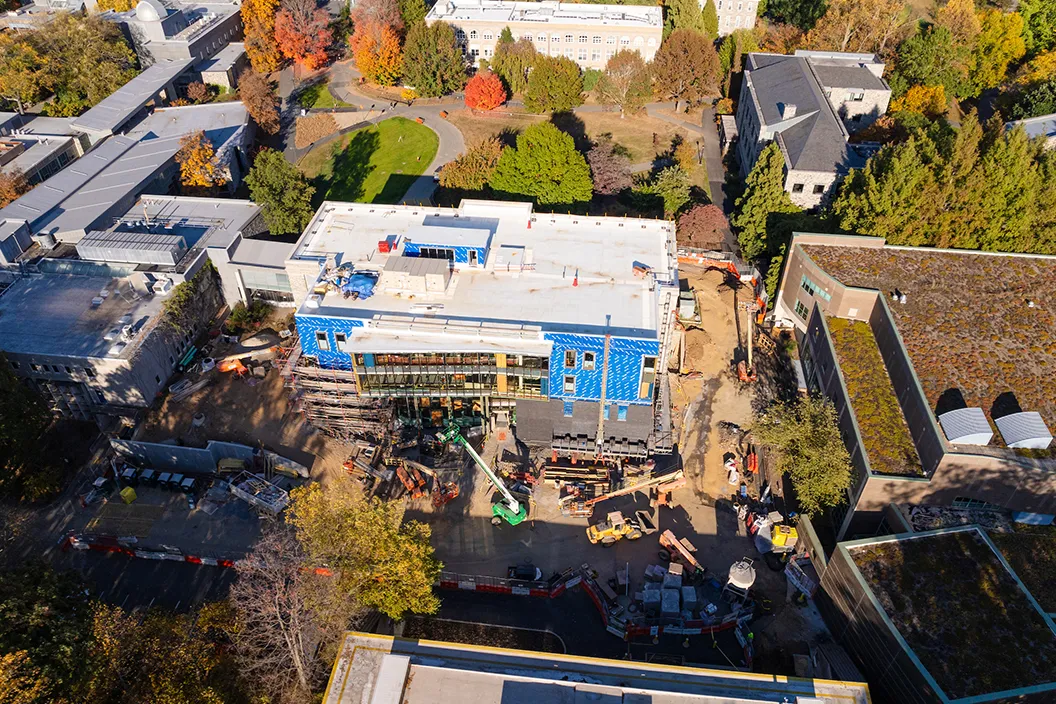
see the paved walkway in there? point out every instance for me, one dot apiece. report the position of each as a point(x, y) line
point(343, 80)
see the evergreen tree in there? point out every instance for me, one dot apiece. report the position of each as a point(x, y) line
point(803, 14)
point(23, 419)
point(554, 86)
point(683, 14)
point(432, 60)
point(773, 273)
point(930, 58)
point(764, 196)
point(545, 167)
point(412, 12)
point(282, 191)
point(711, 20)
point(672, 186)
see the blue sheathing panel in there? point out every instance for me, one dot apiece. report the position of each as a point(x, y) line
point(413, 249)
point(625, 367)
point(309, 325)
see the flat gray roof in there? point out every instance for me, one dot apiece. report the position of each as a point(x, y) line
point(580, 277)
point(37, 152)
point(78, 196)
point(224, 59)
point(373, 668)
point(52, 314)
point(262, 252)
point(212, 222)
point(1040, 126)
point(117, 108)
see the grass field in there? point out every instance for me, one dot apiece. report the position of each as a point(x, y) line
point(635, 132)
point(319, 96)
point(376, 164)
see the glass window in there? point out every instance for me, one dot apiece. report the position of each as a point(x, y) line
point(738, 23)
point(582, 38)
point(582, 54)
point(321, 341)
point(88, 371)
point(610, 53)
point(605, 412)
point(34, 367)
point(474, 53)
point(813, 289)
point(472, 34)
point(339, 341)
point(621, 413)
point(555, 52)
point(489, 35)
point(625, 41)
point(652, 41)
point(639, 41)
point(595, 54)
point(541, 39)
point(569, 408)
point(570, 359)
point(568, 39)
point(797, 187)
point(487, 52)
point(556, 39)
point(570, 53)
point(526, 37)
point(818, 189)
point(610, 40)
point(801, 310)
point(570, 384)
point(595, 39)
point(588, 360)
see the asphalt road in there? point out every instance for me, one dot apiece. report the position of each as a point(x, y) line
point(129, 582)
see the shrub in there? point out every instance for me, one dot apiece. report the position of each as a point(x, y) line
point(243, 318)
point(485, 91)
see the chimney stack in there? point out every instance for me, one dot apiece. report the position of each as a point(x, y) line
point(788, 111)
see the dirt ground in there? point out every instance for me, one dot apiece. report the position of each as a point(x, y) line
point(250, 411)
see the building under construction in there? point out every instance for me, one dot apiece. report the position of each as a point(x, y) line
point(558, 323)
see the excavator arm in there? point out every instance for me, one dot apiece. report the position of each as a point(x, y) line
point(511, 510)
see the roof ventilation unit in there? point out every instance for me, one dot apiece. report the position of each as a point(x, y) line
point(966, 426)
point(1024, 430)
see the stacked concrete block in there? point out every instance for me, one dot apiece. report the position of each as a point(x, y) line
point(689, 598)
point(672, 581)
point(652, 601)
point(669, 602)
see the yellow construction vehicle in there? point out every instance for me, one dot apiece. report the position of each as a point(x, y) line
point(613, 529)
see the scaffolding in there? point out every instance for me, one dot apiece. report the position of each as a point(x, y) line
point(330, 401)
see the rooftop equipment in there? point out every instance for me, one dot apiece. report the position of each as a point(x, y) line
point(1024, 430)
point(966, 426)
point(132, 247)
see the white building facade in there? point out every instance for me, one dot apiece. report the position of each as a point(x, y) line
point(734, 14)
point(590, 35)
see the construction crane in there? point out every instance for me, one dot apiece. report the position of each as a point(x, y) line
point(510, 509)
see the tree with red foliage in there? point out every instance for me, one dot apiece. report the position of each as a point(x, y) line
point(703, 226)
point(302, 30)
point(485, 91)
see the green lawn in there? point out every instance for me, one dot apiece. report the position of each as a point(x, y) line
point(376, 164)
point(319, 96)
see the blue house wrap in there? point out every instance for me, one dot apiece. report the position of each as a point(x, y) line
point(462, 254)
point(625, 367)
point(309, 326)
point(625, 359)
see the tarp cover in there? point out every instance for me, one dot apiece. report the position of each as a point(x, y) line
point(363, 284)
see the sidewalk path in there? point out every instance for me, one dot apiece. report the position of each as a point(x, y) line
point(343, 79)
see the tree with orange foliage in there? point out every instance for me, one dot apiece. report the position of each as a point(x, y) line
point(485, 91)
point(258, 20)
point(302, 30)
point(12, 185)
point(197, 160)
point(377, 52)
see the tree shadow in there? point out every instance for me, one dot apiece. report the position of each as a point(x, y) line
point(396, 186)
point(350, 167)
point(570, 123)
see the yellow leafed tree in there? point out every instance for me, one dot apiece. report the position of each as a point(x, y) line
point(929, 101)
point(258, 19)
point(197, 162)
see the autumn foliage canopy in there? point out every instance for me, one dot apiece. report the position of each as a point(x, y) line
point(376, 49)
point(302, 31)
point(485, 92)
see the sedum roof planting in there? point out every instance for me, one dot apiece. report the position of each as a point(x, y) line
point(961, 612)
point(967, 323)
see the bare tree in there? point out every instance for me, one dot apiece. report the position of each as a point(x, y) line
point(290, 618)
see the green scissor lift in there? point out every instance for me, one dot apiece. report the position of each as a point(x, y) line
point(510, 510)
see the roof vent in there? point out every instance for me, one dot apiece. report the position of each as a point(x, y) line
point(788, 111)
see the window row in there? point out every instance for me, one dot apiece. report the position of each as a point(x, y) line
point(621, 411)
point(55, 368)
point(814, 290)
point(567, 38)
point(818, 188)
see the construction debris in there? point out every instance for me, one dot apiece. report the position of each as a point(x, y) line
point(259, 492)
